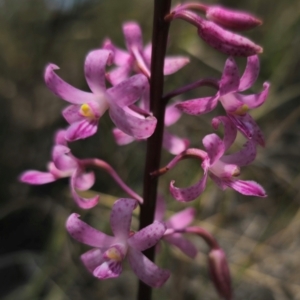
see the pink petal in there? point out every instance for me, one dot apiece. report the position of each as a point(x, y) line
point(250, 74)
point(84, 181)
point(248, 127)
point(218, 181)
point(247, 187)
point(122, 138)
point(147, 53)
point(132, 123)
point(64, 90)
point(36, 177)
point(187, 247)
point(92, 259)
point(119, 74)
point(81, 129)
point(120, 217)
point(215, 147)
point(230, 80)
point(119, 56)
point(71, 114)
point(133, 35)
point(147, 237)
point(62, 158)
point(94, 69)
point(230, 130)
point(128, 91)
point(190, 193)
point(160, 208)
point(59, 138)
point(258, 99)
point(108, 269)
point(182, 219)
point(86, 234)
point(146, 270)
point(243, 157)
point(174, 144)
point(172, 115)
point(173, 64)
point(198, 106)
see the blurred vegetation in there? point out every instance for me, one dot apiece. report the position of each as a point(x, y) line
point(38, 260)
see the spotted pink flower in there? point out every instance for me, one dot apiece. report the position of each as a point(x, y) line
point(221, 168)
point(105, 260)
point(235, 103)
point(137, 57)
point(87, 107)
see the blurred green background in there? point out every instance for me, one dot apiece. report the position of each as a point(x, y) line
point(38, 260)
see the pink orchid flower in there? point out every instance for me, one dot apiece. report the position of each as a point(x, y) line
point(175, 226)
point(171, 143)
point(105, 260)
point(235, 104)
point(137, 57)
point(87, 108)
point(221, 168)
point(64, 165)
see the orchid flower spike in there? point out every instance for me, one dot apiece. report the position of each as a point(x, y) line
point(87, 108)
point(217, 37)
point(171, 143)
point(221, 168)
point(137, 57)
point(235, 104)
point(64, 164)
point(175, 226)
point(105, 260)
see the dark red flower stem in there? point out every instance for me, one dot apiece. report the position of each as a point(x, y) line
point(154, 143)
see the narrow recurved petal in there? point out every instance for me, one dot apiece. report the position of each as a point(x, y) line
point(247, 187)
point(230, 131)
point(92, 259)
point(94, 69)
point(132, 123)
point(133, 35)
point(250, 74)
point(198, 106)
point(225, 41)
point(256, 100)
point(128, 91)
point(81, 129)
point(121, 137)
point(189, 193)
point(61, 158)
point(186, 246)
point(146, 270)
point(174, 144)
point(173, 64)
point(120, 217)
point(182, 219)
point(214, 146)
point(148, 236)
point(64, 90)
point(36, 177)
point(84, 180)
point(84, 203)
point(230, 79)
point(86, 234)
point(243, 157)
point(232, 19)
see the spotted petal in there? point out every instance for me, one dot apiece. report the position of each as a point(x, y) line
point(64, 90)
point(86, 234)
point(146, 270)
point(173, 64)
point(215, 147)
point(147, 237)
point(120, 217)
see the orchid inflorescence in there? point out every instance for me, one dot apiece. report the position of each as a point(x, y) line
point(128, 102)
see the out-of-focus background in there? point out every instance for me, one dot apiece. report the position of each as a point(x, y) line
point(38, 260)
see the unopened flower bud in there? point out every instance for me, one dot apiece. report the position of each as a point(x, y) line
point(219, 272)
point(232, 19)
